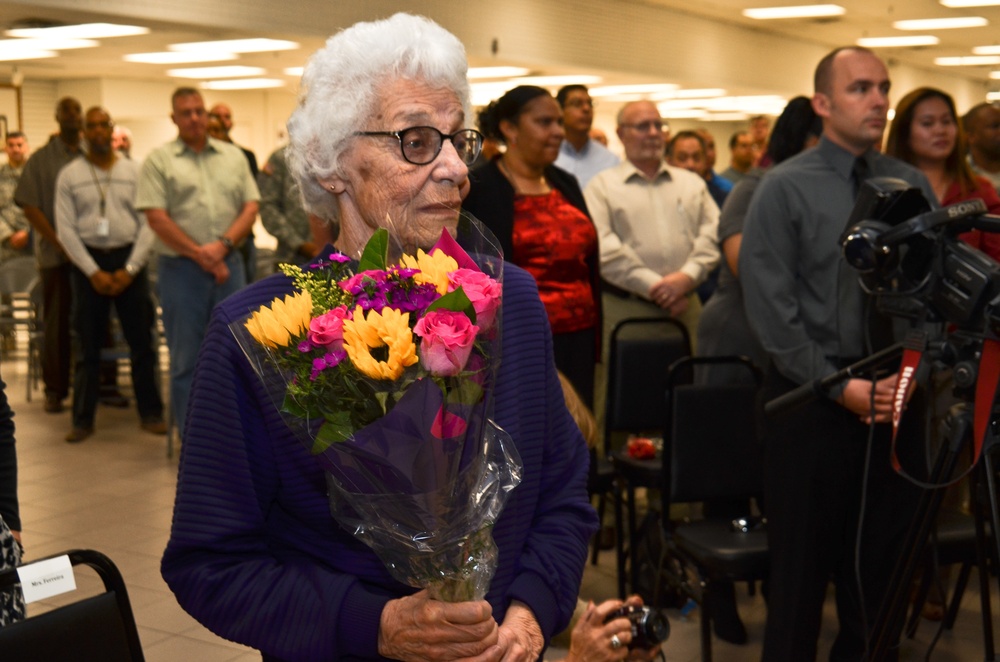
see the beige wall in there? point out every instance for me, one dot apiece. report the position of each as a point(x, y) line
point(641, 39)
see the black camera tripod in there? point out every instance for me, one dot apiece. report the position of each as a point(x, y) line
point(888, 625)
point(963, 428)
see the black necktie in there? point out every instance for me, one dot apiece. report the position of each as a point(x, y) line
point(859, 173)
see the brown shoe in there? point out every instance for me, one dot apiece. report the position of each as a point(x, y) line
point(78, 434)
point(53, 404)
point(154, 426)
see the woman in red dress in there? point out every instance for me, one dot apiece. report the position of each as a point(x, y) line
point(926, 133)
point(537, 212)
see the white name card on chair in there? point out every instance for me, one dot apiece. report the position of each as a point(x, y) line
point(43, 579)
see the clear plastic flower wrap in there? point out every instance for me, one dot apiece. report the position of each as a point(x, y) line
point(385, 368)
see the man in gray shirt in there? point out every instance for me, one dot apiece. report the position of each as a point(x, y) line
point(108, 242)
point(807, 308)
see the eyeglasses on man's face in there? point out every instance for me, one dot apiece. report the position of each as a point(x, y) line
point(421, 144)
point(644, 127)
point(580, 102)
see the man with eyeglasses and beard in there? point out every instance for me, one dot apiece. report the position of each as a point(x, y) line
point(108, 242)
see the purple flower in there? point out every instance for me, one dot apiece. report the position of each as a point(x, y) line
point(329, 360)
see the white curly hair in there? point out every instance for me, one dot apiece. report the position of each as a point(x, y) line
point(340, 84)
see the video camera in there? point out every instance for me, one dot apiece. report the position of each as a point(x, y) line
point(911, 259)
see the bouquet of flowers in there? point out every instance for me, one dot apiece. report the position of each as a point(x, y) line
point(386, 371)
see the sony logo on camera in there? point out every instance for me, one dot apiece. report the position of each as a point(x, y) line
point(967, 208)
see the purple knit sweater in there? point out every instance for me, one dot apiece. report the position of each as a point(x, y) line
point(254, 553)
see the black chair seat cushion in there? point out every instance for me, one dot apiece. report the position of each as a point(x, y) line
point(724, 553)
point(90, 630)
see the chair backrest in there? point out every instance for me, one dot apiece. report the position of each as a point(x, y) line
point(710, 449)
point(17, 274)
point(641, 351)
point(100, 628)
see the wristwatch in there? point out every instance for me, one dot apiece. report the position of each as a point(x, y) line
point(131, 270)
point(227, 242)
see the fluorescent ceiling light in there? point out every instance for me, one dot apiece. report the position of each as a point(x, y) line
point(682, 114)
point(647, 89)
point(705, 93)
point(557, 81)
point(680, 104)
point(179, 57)
point(801, 11)
point(478, 73)
point(898, 42)
point(986, 50)
point(942, 23)
point(995, 75)
point(243, 84)
point(993, 96)
point(7, 55)
point(48, 44)
point(232, 71)
point(727, 117)
point(969, 3)
point(294, 71)
point(767, 104)
point(82, 31)
point(237, 46)
point(967, 61)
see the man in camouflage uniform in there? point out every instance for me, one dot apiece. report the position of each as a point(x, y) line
point(282, 214)
point(15, 231)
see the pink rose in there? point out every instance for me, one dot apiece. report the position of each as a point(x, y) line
point(447, 425)
point(327, 330)
point(483, 291)
point(446, 341)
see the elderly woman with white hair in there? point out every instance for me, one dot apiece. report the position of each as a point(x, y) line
point(379, 138)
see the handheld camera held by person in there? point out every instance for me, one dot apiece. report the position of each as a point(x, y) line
point(649, 627)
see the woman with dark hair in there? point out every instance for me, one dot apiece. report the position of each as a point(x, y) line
point(724, 329)
point(926, 133)
point(537, 212)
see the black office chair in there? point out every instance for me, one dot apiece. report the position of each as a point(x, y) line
point(711, 452)
point(640, 352)
point(100, 628)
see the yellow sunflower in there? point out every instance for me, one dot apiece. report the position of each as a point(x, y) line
point(434, 268)
point(281, 322)
point(389, 329)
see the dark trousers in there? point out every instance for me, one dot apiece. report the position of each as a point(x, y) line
point(57, 299)
point(574, 358)
point(813, 480)
point(91, 313)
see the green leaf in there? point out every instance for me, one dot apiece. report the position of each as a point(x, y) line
point(466, 392)
point(456, 301)
point(336, 430)
point(376, 252)
point(291, 406)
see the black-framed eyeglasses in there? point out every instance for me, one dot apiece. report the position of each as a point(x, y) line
point(421, 144)
point(644, 127)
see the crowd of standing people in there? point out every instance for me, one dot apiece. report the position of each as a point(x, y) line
point(747, 259)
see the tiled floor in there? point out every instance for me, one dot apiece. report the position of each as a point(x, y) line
point(114, 493)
